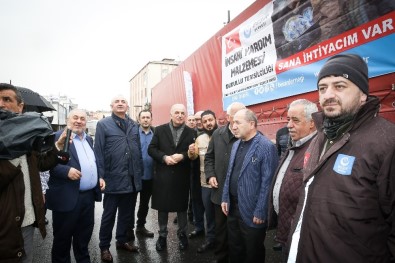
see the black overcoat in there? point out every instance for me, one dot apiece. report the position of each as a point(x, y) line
point(170, 182)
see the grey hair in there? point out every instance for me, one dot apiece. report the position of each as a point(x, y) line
point(249, 115)
point(73, 111)
point(234, 107)
point(119, 96)
point(308, 107)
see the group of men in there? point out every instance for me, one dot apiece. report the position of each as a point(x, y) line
point(117, 165)
point(175, 145)
point(331, 195)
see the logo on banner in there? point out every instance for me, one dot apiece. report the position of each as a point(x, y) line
point(247, 32)
point(232, 42)
point(344, 164)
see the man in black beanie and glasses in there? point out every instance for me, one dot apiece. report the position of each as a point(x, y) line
point(346, 212)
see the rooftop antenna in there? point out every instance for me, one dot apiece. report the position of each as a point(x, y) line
point(228, 18)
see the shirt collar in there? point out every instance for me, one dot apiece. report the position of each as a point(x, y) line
point(74, 135)
point(142, 131)
point(303, 140)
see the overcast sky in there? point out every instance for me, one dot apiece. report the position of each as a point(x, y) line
point(90, 49)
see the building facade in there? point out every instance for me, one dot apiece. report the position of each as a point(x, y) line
point(143, 82)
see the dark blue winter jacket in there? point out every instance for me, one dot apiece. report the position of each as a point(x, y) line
point(118, 152)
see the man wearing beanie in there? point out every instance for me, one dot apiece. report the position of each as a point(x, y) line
point(346, 211)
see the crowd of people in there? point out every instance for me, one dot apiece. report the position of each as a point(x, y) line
point(327, 187)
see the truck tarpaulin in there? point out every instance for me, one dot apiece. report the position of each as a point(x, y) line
point(271, 53)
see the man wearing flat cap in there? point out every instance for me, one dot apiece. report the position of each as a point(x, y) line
point(346, 211)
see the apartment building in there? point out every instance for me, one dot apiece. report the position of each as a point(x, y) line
point(143, 82)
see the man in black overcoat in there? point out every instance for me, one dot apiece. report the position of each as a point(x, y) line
point(169, 149)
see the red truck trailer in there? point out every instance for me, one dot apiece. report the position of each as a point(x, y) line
point(271, 53)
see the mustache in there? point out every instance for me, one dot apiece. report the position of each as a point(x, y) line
point(330, 101)
point(210, 131)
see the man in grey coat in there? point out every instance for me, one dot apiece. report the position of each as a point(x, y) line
point(170, 190)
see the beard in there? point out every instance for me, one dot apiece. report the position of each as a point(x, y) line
point(344, 112)
point(210, 132)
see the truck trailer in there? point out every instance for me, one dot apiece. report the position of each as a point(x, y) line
point(271, 53)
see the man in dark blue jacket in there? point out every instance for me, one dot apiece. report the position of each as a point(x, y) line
point(120, 165)
point(252, 164)
point(73, 190)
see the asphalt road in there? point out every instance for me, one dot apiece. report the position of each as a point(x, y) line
point(42, 250)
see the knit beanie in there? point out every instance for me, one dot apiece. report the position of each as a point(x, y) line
point(349, 66)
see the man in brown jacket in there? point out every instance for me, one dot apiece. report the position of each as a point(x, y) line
point(21, 198)
point(346, 212)
point(288, 178)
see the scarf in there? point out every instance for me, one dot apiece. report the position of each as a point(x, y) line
point(333, 125)
point(176, 132)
